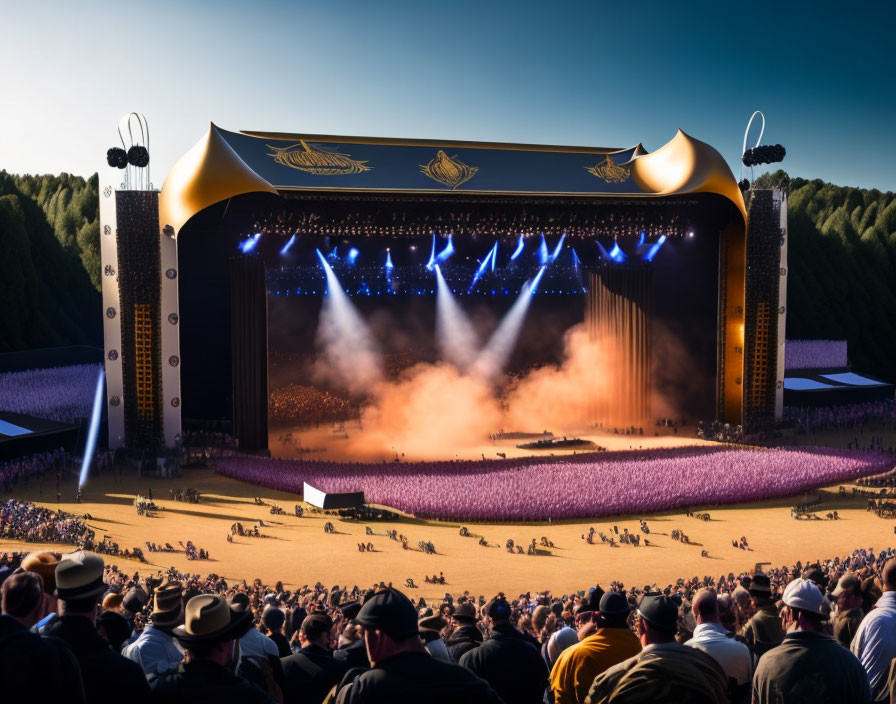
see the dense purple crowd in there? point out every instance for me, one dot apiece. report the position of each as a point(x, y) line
point(63, 394)
point(815, 354)
point(591, 485)
point(855, 416)
point(22, 469)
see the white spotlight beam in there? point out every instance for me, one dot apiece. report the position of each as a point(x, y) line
point(94, 430)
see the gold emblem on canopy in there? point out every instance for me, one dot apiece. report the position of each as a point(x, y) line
point(316, 160)
point(447, 170)
point(609, 171)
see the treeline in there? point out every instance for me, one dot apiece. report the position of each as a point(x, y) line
point(49, 262)
point(842, 268)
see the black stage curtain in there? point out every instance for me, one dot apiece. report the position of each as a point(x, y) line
point(249, 345)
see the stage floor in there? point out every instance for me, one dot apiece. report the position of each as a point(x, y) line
point(347, 442)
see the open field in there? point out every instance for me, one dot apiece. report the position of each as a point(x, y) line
point(298, 551)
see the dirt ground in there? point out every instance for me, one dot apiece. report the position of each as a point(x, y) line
point(297, 551)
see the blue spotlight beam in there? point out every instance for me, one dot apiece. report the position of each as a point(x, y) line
point(289, 244)
point(432, 255)
point(447, 252)
point(558, 248)
point(520, 246)
point(543, 255)
point(494, 255)
point(249, 244)
point(389, 264)
point(616, 254)
point(483, 265)
point(94, 430)
point(352, 255)
point(652, 252)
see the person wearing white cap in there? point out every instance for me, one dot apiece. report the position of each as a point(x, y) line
point(809, 666)
point(875, 641)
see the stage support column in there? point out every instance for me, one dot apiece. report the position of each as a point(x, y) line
point(249, 345)
point(111, 308)
point(762, 309)
point(781, 198)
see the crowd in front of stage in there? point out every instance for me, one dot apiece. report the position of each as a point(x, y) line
point(82, 631)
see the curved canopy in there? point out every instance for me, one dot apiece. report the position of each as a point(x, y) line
point(224, 164)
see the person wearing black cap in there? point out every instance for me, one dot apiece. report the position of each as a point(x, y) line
point(466, 636)
point(403, 672)
point(106, 674)
point(313, 671)
point(210, 635)
point(763, 631)
point(30, 664)
point(611, 643)
point(664, 670)
point(510, 664)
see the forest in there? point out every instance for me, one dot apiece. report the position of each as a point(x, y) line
point(841, 261)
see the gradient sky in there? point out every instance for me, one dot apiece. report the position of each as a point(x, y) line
point(588, 73)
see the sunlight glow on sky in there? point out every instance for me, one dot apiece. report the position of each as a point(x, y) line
point(584, 73)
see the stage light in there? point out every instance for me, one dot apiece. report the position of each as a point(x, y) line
point(352, 255)
point(558, 248)
point(519, 249)
point(389, 264)
point(483, 265)
point(616, 254)
point(249, 244)
point(494, 255)
point(691, 233)
point(575, 258)
point(94, 430)
point(333, 254)
point(288, 245)
point(432, 255)
point(543, 252)
point(447, 252)
point(641, 241)
point(651, 253)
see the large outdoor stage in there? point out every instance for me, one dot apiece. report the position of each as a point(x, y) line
point(427, 294)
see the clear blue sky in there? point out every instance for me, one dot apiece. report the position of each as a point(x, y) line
point(588, 73)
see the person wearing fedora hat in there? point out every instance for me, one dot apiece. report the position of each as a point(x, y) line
point(809, 666)
point(611, 643)
point(848, 594)
point(210, 636)
point(506, 660)
point(402, 671)
point(664, 670)
point(764, 630)
point(44, 563)
point(25, 657)
point(155, 649)
point(106, 674)
point(465, 635)
point(431, 626)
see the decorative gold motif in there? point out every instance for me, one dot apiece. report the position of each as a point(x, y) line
point(609, 171)
point(447, 170)
point(317, 160)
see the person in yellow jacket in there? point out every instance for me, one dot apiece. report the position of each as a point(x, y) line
point(612, 642)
